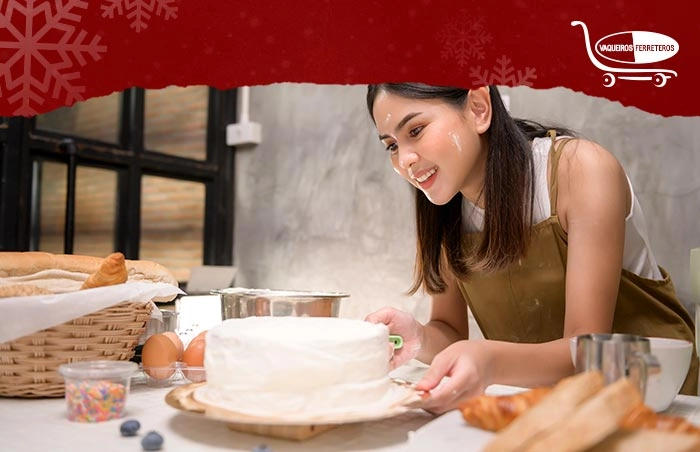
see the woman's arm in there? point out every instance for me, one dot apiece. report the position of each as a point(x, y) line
point(592, 204)
point(448, 323)
point(594, 200)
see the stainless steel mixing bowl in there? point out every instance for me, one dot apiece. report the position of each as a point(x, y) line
point(237, 303)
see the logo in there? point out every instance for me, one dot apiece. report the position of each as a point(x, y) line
point(633, 49)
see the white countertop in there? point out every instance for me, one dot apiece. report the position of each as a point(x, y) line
point(29, 425)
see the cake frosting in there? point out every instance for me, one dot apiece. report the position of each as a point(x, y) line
point(283, 365)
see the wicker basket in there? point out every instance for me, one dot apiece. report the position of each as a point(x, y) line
point(29, 365)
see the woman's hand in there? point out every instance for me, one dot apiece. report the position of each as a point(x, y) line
point(465, 363)
point(403, 324)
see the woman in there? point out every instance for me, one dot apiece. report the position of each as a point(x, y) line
point(538, 232)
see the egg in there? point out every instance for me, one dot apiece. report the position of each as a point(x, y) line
point(200, 336)
point(177, 342)
point(194, 355)
point(158, 356)
point(194, 359)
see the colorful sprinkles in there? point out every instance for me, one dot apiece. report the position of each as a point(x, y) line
point(95, 400)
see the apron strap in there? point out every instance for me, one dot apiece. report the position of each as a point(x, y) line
point(554, 155)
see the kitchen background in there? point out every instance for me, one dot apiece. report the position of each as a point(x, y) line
point(317, 205)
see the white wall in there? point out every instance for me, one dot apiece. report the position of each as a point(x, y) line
point(318, 206)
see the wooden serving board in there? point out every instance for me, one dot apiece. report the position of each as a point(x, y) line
point(293, 432)
point(182, 398)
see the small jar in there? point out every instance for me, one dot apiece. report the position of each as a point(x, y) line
point(96, 391)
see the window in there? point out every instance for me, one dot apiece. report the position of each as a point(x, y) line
point(144, 172)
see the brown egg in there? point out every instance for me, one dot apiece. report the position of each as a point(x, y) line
point(194, 355)
point(158, 356)
point(200, 336)
point(177, 342)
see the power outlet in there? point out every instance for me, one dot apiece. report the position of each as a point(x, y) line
point(243, 133)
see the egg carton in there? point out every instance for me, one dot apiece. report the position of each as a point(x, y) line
point(177, 373)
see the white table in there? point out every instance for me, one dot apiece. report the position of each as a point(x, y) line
point(28, 425)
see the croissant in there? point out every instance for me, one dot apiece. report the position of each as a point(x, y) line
point(643, 417)
point(494, 413)
point(112, 271)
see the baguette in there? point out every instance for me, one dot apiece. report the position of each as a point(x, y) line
point(23, 265)
point(561, 402)
point(593, 421)
point(640, 440)
point(22, 290)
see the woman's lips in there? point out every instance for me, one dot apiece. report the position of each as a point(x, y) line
point(425, 179)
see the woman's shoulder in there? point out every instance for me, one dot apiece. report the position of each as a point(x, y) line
point(589, 174)
point(583, 158)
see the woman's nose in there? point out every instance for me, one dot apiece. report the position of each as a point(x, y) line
point(407, 157)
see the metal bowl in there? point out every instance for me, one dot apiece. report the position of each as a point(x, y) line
point(238, 303)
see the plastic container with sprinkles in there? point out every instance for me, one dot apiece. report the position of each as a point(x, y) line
point(96, 391)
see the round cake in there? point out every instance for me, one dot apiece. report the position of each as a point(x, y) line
point(282, 365)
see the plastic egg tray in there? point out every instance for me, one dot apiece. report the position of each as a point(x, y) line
point(176, 373)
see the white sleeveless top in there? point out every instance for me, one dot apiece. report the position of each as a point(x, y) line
point(637, 257)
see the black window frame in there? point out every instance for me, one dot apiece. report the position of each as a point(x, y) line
point(23, 147)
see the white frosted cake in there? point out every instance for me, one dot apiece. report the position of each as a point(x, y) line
point(282, 365)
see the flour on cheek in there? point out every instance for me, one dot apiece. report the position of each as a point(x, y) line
point(455, 140)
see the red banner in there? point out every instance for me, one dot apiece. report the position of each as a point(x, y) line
point(54, 53)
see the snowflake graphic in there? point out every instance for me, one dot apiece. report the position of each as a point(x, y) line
point(139, 11)
point(503, 73)
point(463, 37)
point(39, 49)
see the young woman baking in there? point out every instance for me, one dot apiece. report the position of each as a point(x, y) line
point(537, 231)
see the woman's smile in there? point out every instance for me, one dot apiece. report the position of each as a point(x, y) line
point(424, 178)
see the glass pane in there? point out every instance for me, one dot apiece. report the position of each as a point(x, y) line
point(176, 121)
point(95, 210)
point(52, 207)
point(95, 206)
point(96, 118)
point(172, 224)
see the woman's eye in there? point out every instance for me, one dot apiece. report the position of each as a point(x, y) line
point(415, 131)
point(392, 147)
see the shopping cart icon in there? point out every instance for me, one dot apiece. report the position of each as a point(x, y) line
point(658, 77)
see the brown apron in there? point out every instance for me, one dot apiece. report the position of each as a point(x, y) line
point(525, 302)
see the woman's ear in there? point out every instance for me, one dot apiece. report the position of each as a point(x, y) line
point(479, 105)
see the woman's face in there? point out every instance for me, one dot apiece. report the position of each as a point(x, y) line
point(432, 144)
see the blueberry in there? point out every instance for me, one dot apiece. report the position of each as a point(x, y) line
point(262, 448)
point(129, 428)
point(152, 441)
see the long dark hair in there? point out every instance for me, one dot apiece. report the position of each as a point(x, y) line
point(508, 194)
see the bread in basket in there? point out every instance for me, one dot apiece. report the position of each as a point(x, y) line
point(28, 364)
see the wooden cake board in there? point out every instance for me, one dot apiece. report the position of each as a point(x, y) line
point(293, 432)
point(182, 398)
